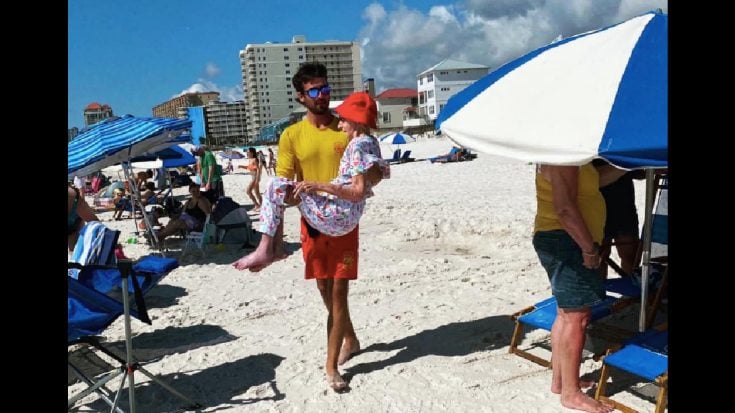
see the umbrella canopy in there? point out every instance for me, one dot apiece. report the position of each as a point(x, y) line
point(231, 155)
point(171, 157)
point(598, 94)
point(601, 94)
point(396, 138)
point(118, 139)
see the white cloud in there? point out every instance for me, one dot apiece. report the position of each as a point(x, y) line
point(212, 70)
point(396, 45)
point(226, 93)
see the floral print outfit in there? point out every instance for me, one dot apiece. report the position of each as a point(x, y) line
point(325, 212)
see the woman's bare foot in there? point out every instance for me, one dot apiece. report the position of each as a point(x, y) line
point(583, 385)
point(348, 350)
point(336, 382)
point(255, 261)
point(280, 253)
point(581, 401)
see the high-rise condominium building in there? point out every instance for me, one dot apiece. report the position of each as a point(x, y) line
point(226, 123)
point(94, 112)
point(170, 108)
point(267, 70)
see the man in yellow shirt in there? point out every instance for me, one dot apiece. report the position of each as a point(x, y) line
point(311, 150)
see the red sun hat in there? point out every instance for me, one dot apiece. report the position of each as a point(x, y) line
point(359, 107)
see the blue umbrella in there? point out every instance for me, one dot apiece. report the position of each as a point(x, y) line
point(171, 157)
point(601, 94)
point(118, 139)
point(396, 138)
point(598, 94)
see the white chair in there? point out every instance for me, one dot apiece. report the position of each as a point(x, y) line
point(197, 238)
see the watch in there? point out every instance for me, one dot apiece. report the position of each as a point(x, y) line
point(595, 250)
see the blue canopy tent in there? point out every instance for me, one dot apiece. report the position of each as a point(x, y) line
point(600, 94)
point(171, 157)
point(119, 140)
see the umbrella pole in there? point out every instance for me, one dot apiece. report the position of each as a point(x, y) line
point(135, 194)
point(646, 256)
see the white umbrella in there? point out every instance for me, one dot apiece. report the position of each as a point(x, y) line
point(601, 94)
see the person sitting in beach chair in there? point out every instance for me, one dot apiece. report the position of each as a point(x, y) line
point(78, 212)
point(192, 216)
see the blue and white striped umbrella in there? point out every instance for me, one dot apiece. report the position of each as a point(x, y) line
point(601, 94)
point(119, 139)
point(396, 138)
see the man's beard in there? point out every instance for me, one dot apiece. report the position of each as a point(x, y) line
point(319, 108)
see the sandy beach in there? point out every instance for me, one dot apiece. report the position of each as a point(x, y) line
point(445, 258)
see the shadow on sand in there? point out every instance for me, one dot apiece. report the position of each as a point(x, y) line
point(215, 386)
point(149, 347)
point(453, 339)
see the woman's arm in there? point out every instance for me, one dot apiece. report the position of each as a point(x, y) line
point(354, 192)
point(564, 197)
point(609, 174)
point(205, 206)
point(85, 211)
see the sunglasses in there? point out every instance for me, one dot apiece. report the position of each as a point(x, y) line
point(316, 91)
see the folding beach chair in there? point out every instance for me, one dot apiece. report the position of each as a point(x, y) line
point(198, 238)
point(626, 290)
point(645, 355)
point(89, 313)
point(542, 315)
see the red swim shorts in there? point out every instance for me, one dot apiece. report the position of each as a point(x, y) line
point(330, 257)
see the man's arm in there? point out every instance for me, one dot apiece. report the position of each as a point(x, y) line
point(286, 167)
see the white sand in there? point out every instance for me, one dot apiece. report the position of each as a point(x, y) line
point(446, 256)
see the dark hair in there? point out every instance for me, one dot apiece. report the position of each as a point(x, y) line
point(307, 72)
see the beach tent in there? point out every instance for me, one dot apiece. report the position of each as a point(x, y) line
point(600, 94)
point(171, 157)
point(119, 140)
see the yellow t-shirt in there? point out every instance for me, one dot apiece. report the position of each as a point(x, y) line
point(589, 200)
point(306, 152)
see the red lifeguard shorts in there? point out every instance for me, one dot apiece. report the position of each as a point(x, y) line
point(330, 257)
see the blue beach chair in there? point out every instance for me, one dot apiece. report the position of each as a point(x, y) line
point(90, 311)
point(542, 315)
point(645, 355)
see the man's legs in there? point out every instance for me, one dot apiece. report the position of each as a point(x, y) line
point(567, 344)
point(339, 326)
point(627, 247)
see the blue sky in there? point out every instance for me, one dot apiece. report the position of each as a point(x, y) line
point(135, 54)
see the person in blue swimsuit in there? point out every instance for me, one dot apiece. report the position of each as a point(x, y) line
point(78, 212)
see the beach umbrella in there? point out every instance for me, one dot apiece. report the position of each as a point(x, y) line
point(119, 139)
point(231, 155)
point(600, 94)
point(396, 138)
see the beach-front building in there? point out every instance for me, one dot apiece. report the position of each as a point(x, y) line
point(267, 70)
point(226, 123)
point(72, 133)
point(94, 112)
point(170, 108)
point(393, 106)
point(438, 83)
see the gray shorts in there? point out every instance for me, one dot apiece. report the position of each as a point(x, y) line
point(573, 285)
